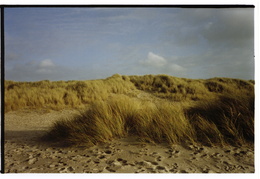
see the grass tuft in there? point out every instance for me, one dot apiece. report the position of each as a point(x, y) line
point(121, 116)
point(157, 108)
point(226, 120)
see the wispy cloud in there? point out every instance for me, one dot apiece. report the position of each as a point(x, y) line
point(154, 60)
point(46, 67)
point(97, 42)
point(158, 64)
point(46, 63)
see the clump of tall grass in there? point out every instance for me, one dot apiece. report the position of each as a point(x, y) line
point(224, 119)
point(228, 119)
point(162, 122)
point(121, 116)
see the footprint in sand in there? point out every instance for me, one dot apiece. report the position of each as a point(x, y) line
point(66, 170)
point(96, 161)
point(102, 157)
point(159, 158)
point(216, 155)
point(207, 170)
point(161, 168)
point(173, 153)
point(108, 152)
point(204, 156)
point(110, 169)
point(154, 163)
point(174, 168)
point(151, 167)
point(153, 154)
point(151, 170)
point(122, 161)
point(115, 165)
point(143, 151)
point(228, 167)
point(141, 170)
point(240, 153)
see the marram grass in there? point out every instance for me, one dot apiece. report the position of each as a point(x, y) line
point(217, 111)
point(76, 94)
point(121, 116)
point(226, 120)
point(223, 121)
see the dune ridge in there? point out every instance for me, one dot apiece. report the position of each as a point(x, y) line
point(179, 122)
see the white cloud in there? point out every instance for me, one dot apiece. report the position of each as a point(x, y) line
point(206, 42)
point(175, 67)
point(154, 60)
point(157, 64)
point(46, 63)
point(46, 67)
point(47, 70)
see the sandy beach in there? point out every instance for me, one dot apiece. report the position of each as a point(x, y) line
point(129, 89)
point(25, 152)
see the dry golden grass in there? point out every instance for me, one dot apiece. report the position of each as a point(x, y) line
point(180, 89)
point(59, 95)
point(226, 120)
point(217, 111)
point(120, 116)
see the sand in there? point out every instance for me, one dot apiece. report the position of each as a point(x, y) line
point(25, 153)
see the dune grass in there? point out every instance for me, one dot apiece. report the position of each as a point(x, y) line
point(180, 89)
point(121, 116)
point(76, 94)
point(217, 111)
point(226, 120)
point(62, 94)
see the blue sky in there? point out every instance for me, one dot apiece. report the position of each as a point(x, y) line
point(93, 43)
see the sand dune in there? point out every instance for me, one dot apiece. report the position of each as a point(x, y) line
point(25, 153)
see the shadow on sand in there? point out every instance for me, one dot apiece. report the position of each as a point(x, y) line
point(31, 138)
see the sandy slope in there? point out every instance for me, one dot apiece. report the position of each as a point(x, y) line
point(24, 153)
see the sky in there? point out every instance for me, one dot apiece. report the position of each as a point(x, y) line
point(93, 43)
